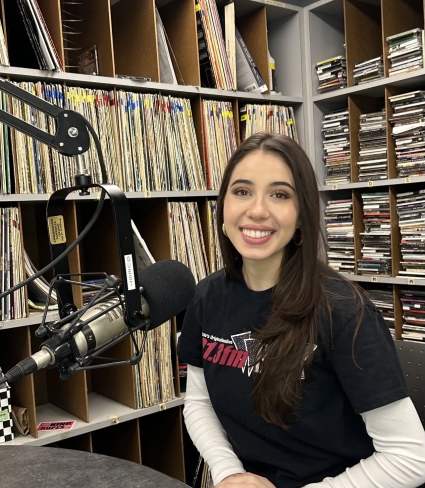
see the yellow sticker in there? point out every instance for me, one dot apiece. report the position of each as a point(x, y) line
point(197, 7)
point(408, 179)
point(56, 229)
point(244, 117)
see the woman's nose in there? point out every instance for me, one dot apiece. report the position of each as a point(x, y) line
point(258, 209)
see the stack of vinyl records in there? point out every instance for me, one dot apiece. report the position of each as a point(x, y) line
point(220, 139)
point(369, 70)
point(12, 265)
point(376, 238)
point(276, 119)
point(336, 147)
point(154, 373)
point(332, 74)
point(340, 235)
point(413, 302)
point(216, 258)
point(411, 220)
point(408, 131)
point(384, 302)
point(213, 59)
point(159, 148)
point(187, 242)
point(372, 161)
point(405, 51)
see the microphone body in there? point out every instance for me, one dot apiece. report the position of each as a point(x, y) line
point(167, 289)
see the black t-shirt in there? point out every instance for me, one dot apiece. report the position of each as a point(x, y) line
point(329, 435)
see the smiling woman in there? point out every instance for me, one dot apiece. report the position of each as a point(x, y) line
point(293, 379)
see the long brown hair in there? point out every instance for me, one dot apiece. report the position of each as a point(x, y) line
point(299, 294)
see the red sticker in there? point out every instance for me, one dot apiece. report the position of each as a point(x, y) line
point(64, 425)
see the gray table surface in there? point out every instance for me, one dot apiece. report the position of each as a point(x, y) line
point(47, 467)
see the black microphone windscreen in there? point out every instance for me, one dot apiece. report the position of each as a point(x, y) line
point(169, 287)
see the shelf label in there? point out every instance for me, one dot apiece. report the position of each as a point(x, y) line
point(335, 186)
point(56, 229)
point(370, 183)
point(114, 419)
point(162, 406)
point(410, 281)
point(275, 3)
point(374, 279)
point(148, 194)
point(408, 179)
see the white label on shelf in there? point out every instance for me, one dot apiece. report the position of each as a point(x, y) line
point(410, 281)
point(162, 406)
point(370, 183)
point(408, 179)
point(114, 419)
point(335, 186)
point(374, 279)
point(129, 271)
point(276, 3)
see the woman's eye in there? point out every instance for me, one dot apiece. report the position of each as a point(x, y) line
point(241, 192)
point(280, 195)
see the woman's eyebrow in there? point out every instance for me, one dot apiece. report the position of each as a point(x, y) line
point(275, 183)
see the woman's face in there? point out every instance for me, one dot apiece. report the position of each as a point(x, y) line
point(261, 207)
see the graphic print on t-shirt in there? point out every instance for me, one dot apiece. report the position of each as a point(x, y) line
point(240, 352)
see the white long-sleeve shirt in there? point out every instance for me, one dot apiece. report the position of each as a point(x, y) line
point(396, 431)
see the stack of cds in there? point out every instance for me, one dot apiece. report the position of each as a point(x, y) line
point(332, 74)
point(373, 147)
point(384, 302)
point(369, 70)
point(405, 51)
point(411, 218)
point(340, 235)
point(408, 131)
point(376, 238)
point(413, 302)
point(336, 147)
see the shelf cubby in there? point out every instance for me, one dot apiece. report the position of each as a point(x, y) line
point(179, 19)
point(70, 395)
point(326, 35)
point(399, 16)
point(81, 442)
point(121, 440)
point(363, 33)
point(358, 105)
point(135, 38)
point(161, 439)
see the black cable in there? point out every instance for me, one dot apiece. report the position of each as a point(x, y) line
point(86, 229)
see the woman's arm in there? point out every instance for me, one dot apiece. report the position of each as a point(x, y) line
point(399, 460)
point(205, 429)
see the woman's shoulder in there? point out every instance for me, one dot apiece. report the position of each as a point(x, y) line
point(344, 298)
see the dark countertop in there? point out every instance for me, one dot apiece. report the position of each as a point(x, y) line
point(47, 467)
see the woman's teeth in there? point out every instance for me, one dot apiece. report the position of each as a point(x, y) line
point(256, 234)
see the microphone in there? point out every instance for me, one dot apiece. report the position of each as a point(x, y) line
point(167, 289)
